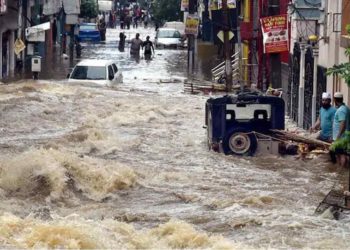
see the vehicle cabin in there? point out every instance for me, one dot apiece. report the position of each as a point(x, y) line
point(232, 121)
point(168, 38)
point(89, 32)
point(102, 72)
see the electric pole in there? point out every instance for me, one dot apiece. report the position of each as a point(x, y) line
point(239, 46)
point(227, 45)
point(192, 6)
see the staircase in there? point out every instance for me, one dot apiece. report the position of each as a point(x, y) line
point(218, 72)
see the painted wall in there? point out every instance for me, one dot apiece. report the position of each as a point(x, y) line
point(331, 53)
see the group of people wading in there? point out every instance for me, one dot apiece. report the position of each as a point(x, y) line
point(136, 45)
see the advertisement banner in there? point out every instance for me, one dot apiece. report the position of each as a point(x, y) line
point(3, 6)
point(217, 4)
point(192, 23)
point(184, 5)
point(275, 33)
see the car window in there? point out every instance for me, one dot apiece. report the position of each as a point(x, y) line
point(110, 72)
point(169, 34)
point(89, 73)
point(249, 111)
point(115, 68)
point(177, 34)
point(87, 27)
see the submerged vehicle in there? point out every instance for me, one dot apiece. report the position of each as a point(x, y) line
point(241, 124)
point(168, 38)
point(89, 32)
point(101, 72)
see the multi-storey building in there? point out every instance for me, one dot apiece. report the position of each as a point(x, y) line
point(17, 15)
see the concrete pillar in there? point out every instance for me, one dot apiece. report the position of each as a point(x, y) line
point(301, 87)
point(314, 87)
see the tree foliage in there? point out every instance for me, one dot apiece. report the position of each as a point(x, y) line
point(343, 70)
point(166, 10)
point(88, 9)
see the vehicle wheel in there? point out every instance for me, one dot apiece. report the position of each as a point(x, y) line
point(240, 142)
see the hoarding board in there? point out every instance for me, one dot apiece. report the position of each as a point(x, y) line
point(105, 5)
point(184, 5)
point(37, 33)
point(3, 6)
point(192, 23)
point(275, 33)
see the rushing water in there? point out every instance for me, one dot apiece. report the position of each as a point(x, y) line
point(128, 168)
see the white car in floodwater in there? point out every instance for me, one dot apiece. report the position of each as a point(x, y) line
point(168, 38)
point(101, 72)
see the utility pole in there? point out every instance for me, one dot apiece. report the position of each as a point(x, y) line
point(191, 39)
point(239, 47)
point(227, 46)
point(275, 58)
point(301, 86)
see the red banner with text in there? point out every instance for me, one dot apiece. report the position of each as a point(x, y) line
point(275, 32)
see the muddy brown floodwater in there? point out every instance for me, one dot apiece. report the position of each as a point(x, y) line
point(128, 168)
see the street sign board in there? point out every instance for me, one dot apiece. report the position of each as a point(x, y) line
point(220, 35)
point(37, 33)
point(19, 46)
point(217, 20)
point(217, 4)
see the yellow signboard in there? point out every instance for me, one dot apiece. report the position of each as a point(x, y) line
point(192, 23)
point(19, 46)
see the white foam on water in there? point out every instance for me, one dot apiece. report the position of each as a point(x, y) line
point(51, 172)
point(77, 233)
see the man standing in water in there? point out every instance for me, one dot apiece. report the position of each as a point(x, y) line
point(121, 41)
point(325, 120)
point(340, 125)
point(135, 46)
point(148, 48)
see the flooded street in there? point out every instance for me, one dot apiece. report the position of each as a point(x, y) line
point(129, 168)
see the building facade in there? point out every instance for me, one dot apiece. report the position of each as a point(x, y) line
point(318, 42)
point(8, 29)
point(17, 15)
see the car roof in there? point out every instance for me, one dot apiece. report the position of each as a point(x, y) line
point(175, 25)
point(92, 24)
point(95, 62)
point(170, 29)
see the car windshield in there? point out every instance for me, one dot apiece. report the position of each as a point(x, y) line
point(88, 27)
point(169, 34)
point(89, 73)
point(175, 25)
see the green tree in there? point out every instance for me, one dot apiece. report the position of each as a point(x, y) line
point(88, 9)
point(166, 10)
point(343, 70)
